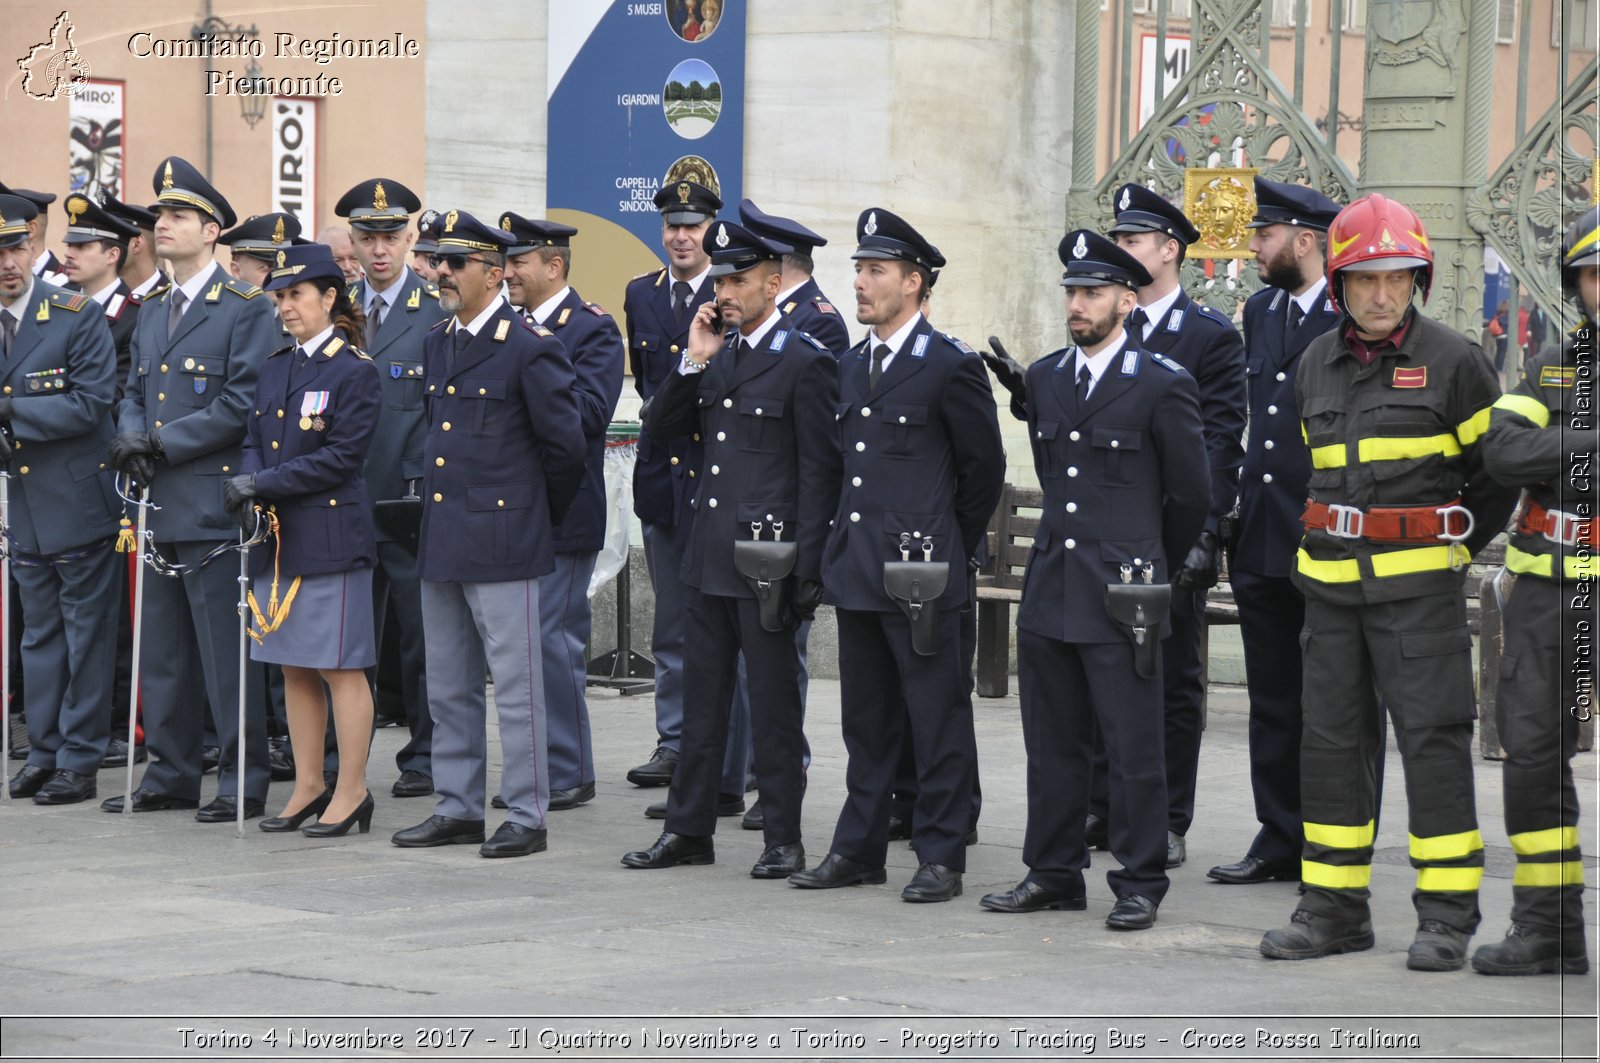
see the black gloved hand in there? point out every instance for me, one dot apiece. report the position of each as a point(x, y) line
point(803, 602)
point(1011, 375)
point(239, 496)
point(132, 455)
point(1199, 570)
point(5, 449)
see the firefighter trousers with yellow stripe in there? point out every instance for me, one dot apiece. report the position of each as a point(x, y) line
point(1415, 656)
point(1534, 711)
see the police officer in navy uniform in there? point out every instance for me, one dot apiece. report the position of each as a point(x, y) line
point(503, 460)
point(56, 384)
point(197, 349)
point(760, 395)
point(1207, 345)
point(255, 243)
point(1119, 448)
point(923, 468)
point(400, 308)
point(1280, 321)
point(539, 262)
point(46, 266)
point(659, 306)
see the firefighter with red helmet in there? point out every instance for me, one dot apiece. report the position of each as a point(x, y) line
point(1542, 438)
point(1393, 406)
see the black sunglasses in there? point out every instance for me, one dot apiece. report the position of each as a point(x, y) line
point(457, 263)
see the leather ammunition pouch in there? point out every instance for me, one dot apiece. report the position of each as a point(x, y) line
point(766, 566)
point(400, 519)
point(914, 586)
point(1138, 609)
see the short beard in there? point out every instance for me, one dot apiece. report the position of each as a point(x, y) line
point(1282, 271)
point(1095, 333)
point(449, 296)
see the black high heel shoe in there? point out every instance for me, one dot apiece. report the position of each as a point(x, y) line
point(284, 824)
point(361, 817)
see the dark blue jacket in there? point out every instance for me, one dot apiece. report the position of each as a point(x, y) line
point(1277, 466)
point(395, 457)
point(922, 454)
point(196, 390)
point(655, 347)
point(594, 344)
point(60, 377)
point(771, 454)
point(504, 453)
point(1207, 345)
point(811, 312)
point(1125, 481)
point(308, 464)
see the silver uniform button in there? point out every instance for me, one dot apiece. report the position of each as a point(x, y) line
point(1266, 477)
point(722, 436)
point(1283, 376)
point(1072, 507)
point(854, 517)
point(1115, 444)
point(1269, 444)
point(715, 470)
point(860, 447)
point(1272, 409)
point(1073, 435)
point(1072, 470)
point(855, 481)
point(727, 404)
point(1071, 544)
point(712, 503)
point(866, 411)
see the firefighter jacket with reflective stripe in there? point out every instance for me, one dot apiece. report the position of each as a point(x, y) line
point(1542, 438)
point(1403, 431)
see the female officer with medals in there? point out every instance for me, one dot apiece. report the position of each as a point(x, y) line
point(306, 439)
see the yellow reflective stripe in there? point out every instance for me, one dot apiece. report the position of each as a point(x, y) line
point(1522, 405)
point(1566, 873)
point(1305, 437)
point(1449, 879)
point(1420, 559)
point(1579, 247)
point(1550, 840)
point(1395, 448)
point(1328, 457)
point(1333, 836)
point(1346, 571)
point(1446, 846)
point(1334, 877)
point(1473, 427)
point(1574, 566)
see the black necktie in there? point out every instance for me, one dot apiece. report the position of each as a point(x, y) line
point(1295, 316)
point(301, 356)
point(681, 294)
point(462, 338)
point(175, 312)
point(1136, 323)
point(1085, 381)
point(8, 325)
point(880, 354)
point(374, 322)
point(743, 349)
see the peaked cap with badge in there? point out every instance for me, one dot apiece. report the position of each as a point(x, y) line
point(883, 234)
point(1140, 210)
point(1092, 261)
point(460, 231)
point(1278, 203)
point(734, 249)
point(687, 203)
point(379, 205)
point(15, 214)
point(263, 235)
point(529, 234)
point(178, 185)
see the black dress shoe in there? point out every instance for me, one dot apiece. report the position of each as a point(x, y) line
point(657, 771)
point(148, 801)
point(412, 784)
point(361, 819)
point(836, 871)
point(284, 824)
point(1526, 950)
point(1177, 850)
point(753, 819)
point(1132, 912)
point(117, 754)
point(28, 779)
point(1253, 869)
point(726, 806)
point(1096, 832)
point(223, 810)
point(440, 830)
point(899, 829)
point(670, 850)
point(513, 839)
point(932, 882)
point(65, 788)
point(1310, 936)
point(780, 861)
point(279, 761)
point(1029, 896)
point(497, 802)
point(571, 797)
point(210, 757)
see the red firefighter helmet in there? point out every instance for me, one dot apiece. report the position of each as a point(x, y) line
point(1378, 233)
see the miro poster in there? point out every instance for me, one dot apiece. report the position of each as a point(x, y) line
point(641, 94)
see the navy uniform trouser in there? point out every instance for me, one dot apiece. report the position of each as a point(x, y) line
point(1536, 711)
point(1271, 614)
point(1416, 655)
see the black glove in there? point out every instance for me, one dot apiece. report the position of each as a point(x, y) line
point(1199, 570)
point(132, 455)
point(803, 602)
point(239, 496)
point(5, 449)
point(1012, 376)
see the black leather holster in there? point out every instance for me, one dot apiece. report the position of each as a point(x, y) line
point(767, 566)
point(401, 518)
point(1139, 609)
point(914, 586)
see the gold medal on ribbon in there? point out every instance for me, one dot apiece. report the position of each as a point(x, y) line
point(305, 424)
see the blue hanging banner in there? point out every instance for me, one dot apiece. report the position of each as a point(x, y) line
point(640, 95)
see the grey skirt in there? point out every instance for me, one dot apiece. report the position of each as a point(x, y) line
point(329, 623)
